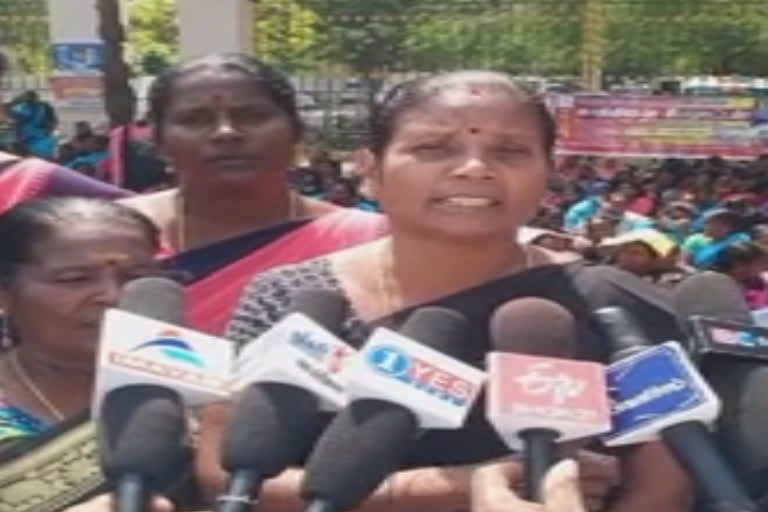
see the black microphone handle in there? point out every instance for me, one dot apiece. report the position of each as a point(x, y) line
point(241, 492)
point(693, 446)
point(132, 494)
point(539, 450)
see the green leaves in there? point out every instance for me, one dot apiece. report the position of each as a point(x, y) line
point(152, 35)
point(378, 37)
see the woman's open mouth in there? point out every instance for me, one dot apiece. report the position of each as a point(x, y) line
point(467, 202)
point(235, 162)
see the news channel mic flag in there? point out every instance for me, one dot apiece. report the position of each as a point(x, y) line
point(139, 350)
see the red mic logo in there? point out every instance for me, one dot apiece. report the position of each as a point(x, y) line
point(569, 396)
point(338, 358)
point(547, 380)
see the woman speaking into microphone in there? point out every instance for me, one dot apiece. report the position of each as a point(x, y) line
point(459, 163)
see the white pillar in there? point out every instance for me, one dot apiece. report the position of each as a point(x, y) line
point(212, 26)
point(76, 82)
point(73, 20)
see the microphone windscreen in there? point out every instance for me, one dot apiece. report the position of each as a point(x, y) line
point(272, 425)
point(366, 442)
point(142, 430)
point(325, 307)
point(368, 439)
point(743, 423)
point(442, 329)
point(710, 294)
point(624, 335)
point(154, 297)
point(533, 326)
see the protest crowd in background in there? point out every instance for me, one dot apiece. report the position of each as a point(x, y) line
point(592, 231)
point(661, 219)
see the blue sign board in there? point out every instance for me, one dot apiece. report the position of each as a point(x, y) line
point(78, 57)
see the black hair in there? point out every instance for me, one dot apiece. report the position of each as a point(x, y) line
point(413, 93)
point(347, 184)
point(730, 218)
point(276, 86)
point(28, 223)
point(738, 253)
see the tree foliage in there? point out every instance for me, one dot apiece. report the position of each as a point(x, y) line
point(153, 34)
point(372, 37)
point(363, 37)
point(526, 38)
point(284, 34)
point(684, 37)
point(24, 34)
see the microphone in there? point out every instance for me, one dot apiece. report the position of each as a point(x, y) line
point(142, 435)
point(535, 400)
point(144, 341)
point(277, 415)
point(302, 350)
point(400, 384)
point(155, 297)
point(142, 428)
point(712, 309)
point(657, 392)
point(733, 355)
point(710, 294)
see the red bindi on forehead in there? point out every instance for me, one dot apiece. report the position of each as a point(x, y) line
point(475, 90)
point(482, 89)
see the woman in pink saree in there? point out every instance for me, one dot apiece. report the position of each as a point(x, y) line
point(229, 128)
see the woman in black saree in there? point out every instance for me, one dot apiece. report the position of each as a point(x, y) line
point(459, 163)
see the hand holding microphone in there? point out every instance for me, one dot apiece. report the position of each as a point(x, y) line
point(491, 491)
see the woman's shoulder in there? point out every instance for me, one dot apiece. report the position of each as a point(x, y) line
point(346, 223)
point(317, 272)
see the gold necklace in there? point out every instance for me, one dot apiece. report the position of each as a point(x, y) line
point(22, 374)
point(295, 210)
point(389, 289)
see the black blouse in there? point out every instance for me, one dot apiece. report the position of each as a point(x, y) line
point(578, 287)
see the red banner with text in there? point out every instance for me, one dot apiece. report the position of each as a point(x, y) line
point(660, 126)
